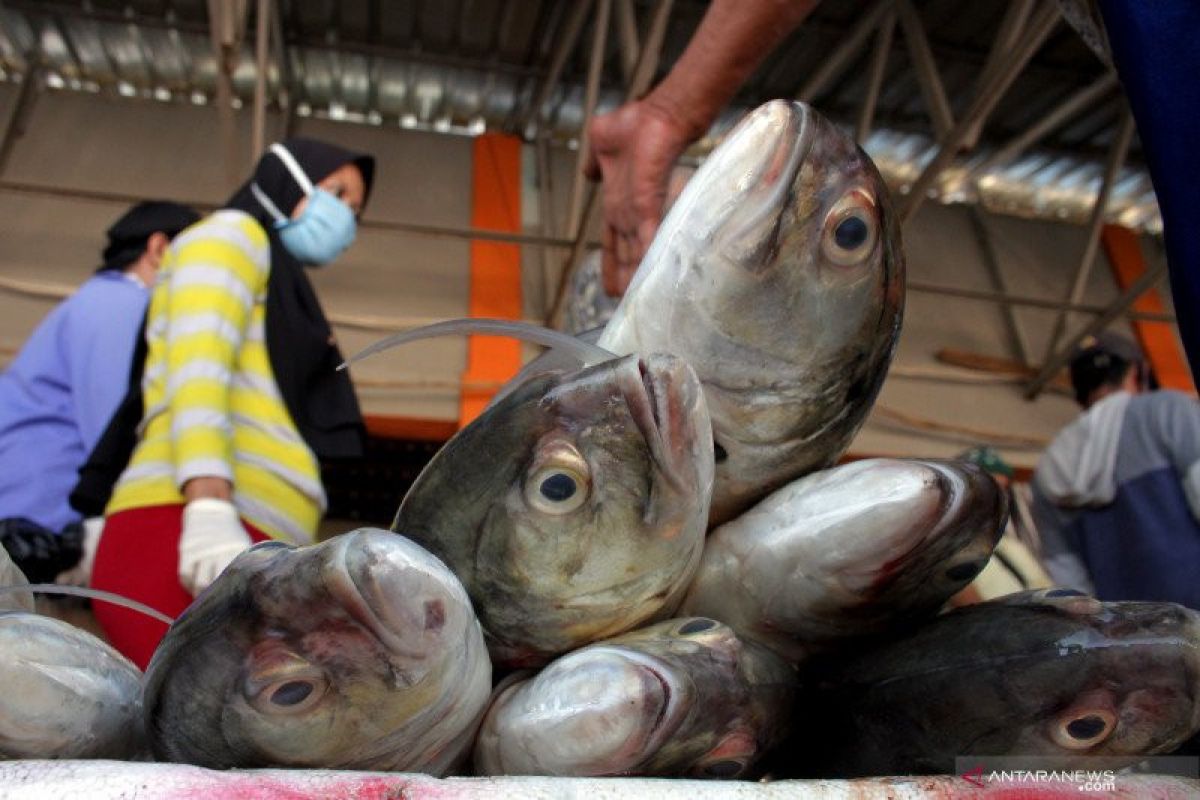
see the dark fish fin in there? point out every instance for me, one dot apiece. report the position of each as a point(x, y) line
point(581, 351)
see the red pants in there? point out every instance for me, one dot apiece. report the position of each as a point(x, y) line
point(138, 558)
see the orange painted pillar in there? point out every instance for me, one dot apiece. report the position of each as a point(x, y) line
point(495, 269)
point(1157, 339)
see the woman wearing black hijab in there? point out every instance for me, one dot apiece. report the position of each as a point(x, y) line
point(240, 390)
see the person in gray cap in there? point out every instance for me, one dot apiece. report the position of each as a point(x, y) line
point(1117, 493)
point(58, 394)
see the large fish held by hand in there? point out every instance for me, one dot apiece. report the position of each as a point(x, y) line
point(854, 550)
point(778, 275)
point(359, 653)
point(1052, 674)
point(684, 698)
point(574, 508)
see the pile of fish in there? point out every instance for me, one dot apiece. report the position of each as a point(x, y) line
point(640, 560)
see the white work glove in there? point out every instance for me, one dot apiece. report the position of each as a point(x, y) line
point(212, 536)
point(81, 573)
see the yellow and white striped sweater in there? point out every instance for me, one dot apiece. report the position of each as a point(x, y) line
point(212, 405)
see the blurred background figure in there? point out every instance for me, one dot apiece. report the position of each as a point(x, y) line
point(241, 391)
point(1117, 493)
point(61, 390)
point(1014, 565)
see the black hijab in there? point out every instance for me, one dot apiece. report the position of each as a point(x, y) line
point(300, 343)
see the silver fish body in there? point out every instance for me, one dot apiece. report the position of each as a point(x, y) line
point(684, 697)
point(66, 694)
point(362, 652)
point(575, 507)
point(1051, 674)
point(778, 275)
point(849, 551)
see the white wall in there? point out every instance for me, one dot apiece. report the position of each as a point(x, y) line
point(95, 143)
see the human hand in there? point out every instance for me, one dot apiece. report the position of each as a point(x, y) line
point(212, 537)
point(633, 149)
point(81, 573)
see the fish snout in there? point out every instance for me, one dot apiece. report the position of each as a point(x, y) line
point(666, 400)
point(601, 712)
point(399, 592)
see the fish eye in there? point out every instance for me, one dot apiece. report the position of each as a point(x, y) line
point(851, 232)
point(698, 625)
point(558, 487)
point(559, 483)
point(1081, 731)
point(290, 695)
point(723, 769)
point(851, 229)
point(964, 571)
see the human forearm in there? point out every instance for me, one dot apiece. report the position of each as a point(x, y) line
point(208, 486)
point(732, 40)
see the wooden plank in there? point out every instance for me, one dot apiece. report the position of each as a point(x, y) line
point(1158, 340)
point(998, 366)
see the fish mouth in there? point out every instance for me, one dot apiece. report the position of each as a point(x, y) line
point(916, 493)
point(371, 581)
point(663, 707)
point(665, 400)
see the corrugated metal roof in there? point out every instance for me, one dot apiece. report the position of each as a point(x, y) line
point(463, 65)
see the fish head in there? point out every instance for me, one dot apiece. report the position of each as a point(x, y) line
point(917, 532)
point(574, 508)
point(66, 693)
point(361, 652)
point(1126, 682)
point(783, 268)
point(851, 550)
point(671, 699)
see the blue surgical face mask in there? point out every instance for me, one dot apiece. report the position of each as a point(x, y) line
point(323, 230)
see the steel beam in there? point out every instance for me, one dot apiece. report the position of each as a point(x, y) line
point(1018, 344)
point(1028, 302)
point(18, 118)
point(875, 75)
point(925, 68)
point(546, 218)
point(851, 45)
point(224, 19)
point(571, 30)
point(1007, 37)
point(1062, 114)
point(1112, 168)
point(642, 76)
point(647, 62)
point(591, 93)
point(287, 91)
point(1044, 20)
point(627, 33)
point(258, 125)
point(1063, 357)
